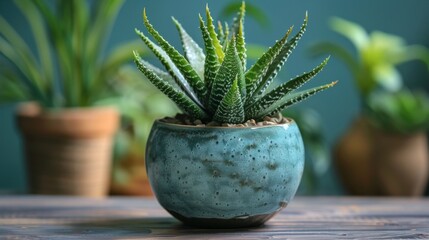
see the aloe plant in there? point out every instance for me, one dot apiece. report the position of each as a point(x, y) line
point(214, 85)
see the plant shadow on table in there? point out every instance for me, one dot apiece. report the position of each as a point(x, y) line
point(151, 226)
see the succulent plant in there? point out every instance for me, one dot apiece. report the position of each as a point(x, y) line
point(214, 85)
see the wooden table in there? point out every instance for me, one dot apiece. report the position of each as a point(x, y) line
point(42, 217)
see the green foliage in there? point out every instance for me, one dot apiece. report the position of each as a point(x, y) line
point(385, 100)
point(68, 69)
point(378, 54)
point(228, 93)
point(401, 112)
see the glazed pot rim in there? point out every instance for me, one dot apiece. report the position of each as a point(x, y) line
point(291, 121)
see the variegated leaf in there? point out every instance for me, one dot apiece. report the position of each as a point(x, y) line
point(193, 53)
point(225, 42)
point(257, 71)
point(280, 59)
point(239, 34)
point(230, 109)
point(282, 90)
point(211, 64)
point(180, 61)
point(171, 67)
point(165, 76)
point(290, 100)
point(213, 35)
point(220, 33)
point(241, 45)
point(225, 76)
point(177, 96)
point(240, 17)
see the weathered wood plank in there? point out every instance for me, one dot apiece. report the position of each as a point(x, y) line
point(34, 217)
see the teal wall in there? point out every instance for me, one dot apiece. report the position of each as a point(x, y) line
point(337, 108)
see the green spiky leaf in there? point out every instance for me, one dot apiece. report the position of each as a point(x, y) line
point(171, 67)
point(241, 44)
point(215, 41)
point(180, 61)
point(280, 60)
point(225, 41)
point(177, 96)
point(193, 53)
point(231, 108)
point(225, 77)
point(255, 74)
point(211, 63)
point(221, 33)
point(278, 93)
point(292, 99)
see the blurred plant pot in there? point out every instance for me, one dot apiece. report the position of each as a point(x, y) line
point(224, 177)
point(130, 177)
point(68, 151)
point(372, 162)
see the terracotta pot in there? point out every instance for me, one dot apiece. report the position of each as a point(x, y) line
point(373, 162)
point(68, 151)
point(130, 177)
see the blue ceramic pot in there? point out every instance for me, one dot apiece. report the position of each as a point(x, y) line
point(223, 177)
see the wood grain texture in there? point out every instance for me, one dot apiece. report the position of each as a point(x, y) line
point(40, 217)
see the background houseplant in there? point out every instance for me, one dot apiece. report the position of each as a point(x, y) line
point(140, 104)
point(385, 150)
point(206, 165)
point(67, 78)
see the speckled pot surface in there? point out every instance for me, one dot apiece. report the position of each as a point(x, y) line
point(219, 177)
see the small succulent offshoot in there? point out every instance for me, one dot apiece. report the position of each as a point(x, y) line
point(214, 85)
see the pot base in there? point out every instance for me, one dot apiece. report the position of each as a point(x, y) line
point(218, 223)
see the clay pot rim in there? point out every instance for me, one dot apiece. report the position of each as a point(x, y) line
point(290, 122)
point(89, 122)
point(34, 110)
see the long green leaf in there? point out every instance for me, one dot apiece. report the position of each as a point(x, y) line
point(213, 35)
point(40, 34)
point(225, 42)
point(221, 33)
point(80, 27)
point(193, 53)
point(60, 39)
point(64, 41)
point(177, 96)
point(211, 63)
point(103, 17)
point(12, 90)
point(241, 45)
point(181, 63)
point(7, 50)
point(257, 71)
point(280, 59)
point(238, 27)
point(18, 52)
point(337, 51)
point(291, 100)
point(165, 76)
point(12, 73)
point(282, 90)
point(171, 68)
point(231, 108)
point(225, 77)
